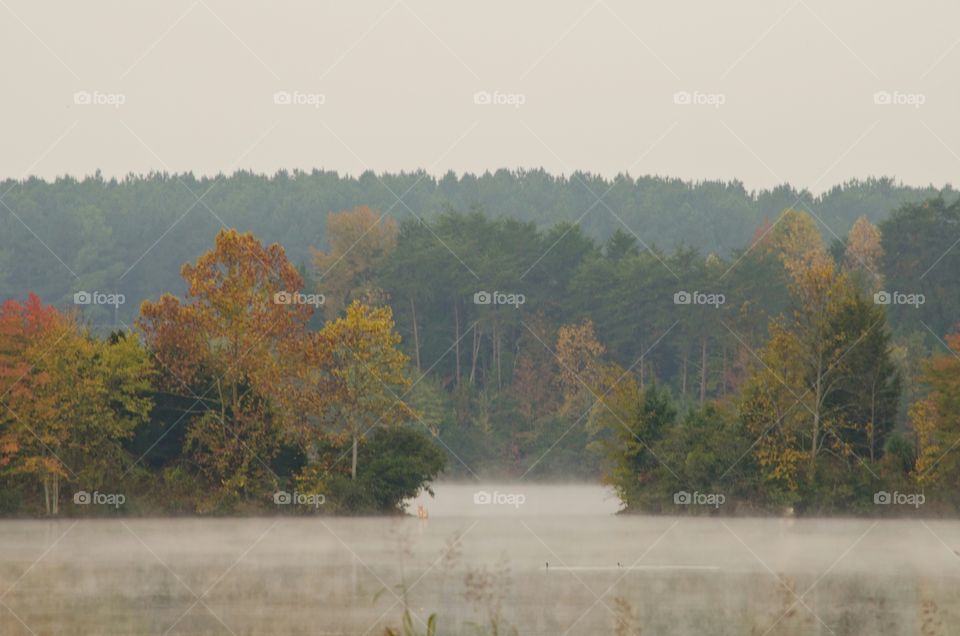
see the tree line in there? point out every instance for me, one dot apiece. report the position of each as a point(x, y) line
point(803, 369)
point(70, 235)
point(799, 371)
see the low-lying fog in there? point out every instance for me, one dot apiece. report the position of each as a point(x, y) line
point(543, 559)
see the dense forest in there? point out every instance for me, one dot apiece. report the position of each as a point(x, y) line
point(130, 236)
point(355, 337)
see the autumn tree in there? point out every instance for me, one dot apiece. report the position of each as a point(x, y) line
point(360, 240)
point(22, 327)
point(936, 420)
point(20, 324)
point(578, 354)
point(816, 288)
point(863, 254)
point(75, 399)
point(924, 421)
point(805, 395)
point(534, 378)
point(798, 242)
point(368, 372)
point(231, 345)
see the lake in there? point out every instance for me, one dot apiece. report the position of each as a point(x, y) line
point(545, 559)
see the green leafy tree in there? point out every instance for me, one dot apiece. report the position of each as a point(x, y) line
point(627, 424)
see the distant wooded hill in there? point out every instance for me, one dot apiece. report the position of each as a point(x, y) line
point(131, 235)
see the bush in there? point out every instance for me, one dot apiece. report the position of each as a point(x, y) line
point(395, 464)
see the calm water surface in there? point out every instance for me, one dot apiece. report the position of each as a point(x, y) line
point(472, 560)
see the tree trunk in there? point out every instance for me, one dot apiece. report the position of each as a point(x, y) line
point(815, 437)
point(353, 465)
point(46, 494)
point(416, 334)
point(683, 382)
point(56, 494)
point(496, 352)
point(703, 369)
point(723, 373)
point(474, 351)
point(456, 323)
point(873, 419)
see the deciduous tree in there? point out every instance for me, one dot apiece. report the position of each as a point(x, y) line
point(863, 255)
point(360, 239)
point(75, 399)
point(368, 372)
point(233, 344)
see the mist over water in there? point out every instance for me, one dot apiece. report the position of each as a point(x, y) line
point(517, 500)
point(319, 575)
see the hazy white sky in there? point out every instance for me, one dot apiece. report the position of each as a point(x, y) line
point(778, 90)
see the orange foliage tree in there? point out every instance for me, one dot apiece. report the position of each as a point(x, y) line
point(69, 398)
point(233, 345)
point(21, 327)
point(360, 239)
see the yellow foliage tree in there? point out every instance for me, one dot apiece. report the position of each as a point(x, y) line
point(799, 243)
point(863, 254)
point(786, 400)
point(578, 355)
point(367, 372)
point(936, 420)
point(923, 420)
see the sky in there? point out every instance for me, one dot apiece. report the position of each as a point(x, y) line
point(805, 91)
